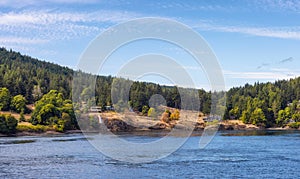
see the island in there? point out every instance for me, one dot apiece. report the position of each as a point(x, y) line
point(36, 98)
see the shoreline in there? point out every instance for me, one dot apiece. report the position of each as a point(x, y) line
point(143, 132)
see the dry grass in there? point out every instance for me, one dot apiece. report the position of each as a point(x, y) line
point(16, 115)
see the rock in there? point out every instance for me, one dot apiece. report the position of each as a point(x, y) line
point(117, 125)
point(165, 117)
point(226, 127)
point(199, 126)
point(159, 126)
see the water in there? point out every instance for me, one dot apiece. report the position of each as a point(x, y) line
point(229, 155)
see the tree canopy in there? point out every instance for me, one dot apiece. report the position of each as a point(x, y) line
point(25, 80)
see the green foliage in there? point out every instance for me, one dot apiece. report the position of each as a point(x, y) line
point(245, 118)
point(8, 124)
point(258, 117)
point(168, 112)
point(52, 109)
point(120, 106)
point(272, 98)
point(22, 117)
point(145, 110)
point(4, 99)
point(212, 123)
point(175, 115)
point(296, 117)
point(32, 128)
point(59, 125)
point(234, 113)
point(284, 116)
point(18, 103)
point(31, 78)
point(23, 75)
point(294, 125)
point(86, 94)
point(94, 124)
point(152, 113)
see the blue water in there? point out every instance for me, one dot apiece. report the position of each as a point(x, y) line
point(229, 155)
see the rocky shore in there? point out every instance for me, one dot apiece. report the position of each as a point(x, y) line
point(117, 123)
point(132, 123)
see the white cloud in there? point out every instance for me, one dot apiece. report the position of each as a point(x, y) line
point(261, 75)
point(24, 3)
point(19, 40)
point(280, 69)
point(275, 32)
point(281, 5)
point(48, 17)
point(49, 25)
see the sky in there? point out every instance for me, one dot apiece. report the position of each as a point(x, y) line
point(253, 40)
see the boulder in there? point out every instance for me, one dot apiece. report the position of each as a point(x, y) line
point(117, 125)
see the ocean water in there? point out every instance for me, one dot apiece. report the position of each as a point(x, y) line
point(272, 154)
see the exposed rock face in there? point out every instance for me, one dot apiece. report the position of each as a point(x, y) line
point(117, 125)
point(226, 127)
point(128, 123)
point(199, 126)
point(237, 125)
point(160, 125)
point(165, 117)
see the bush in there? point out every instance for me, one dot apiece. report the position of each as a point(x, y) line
point(145, 110)
point(8, 124)
point(18, 103)
point(294, 125)
point(22, 117)
point(32, 128)
point(152, 113)
point(175, 115)
point(165, 116)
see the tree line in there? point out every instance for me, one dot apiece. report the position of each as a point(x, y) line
point(25, 80)
point(266, 104)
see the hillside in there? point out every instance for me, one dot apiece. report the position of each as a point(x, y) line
point(33, 78)
point(261, 104)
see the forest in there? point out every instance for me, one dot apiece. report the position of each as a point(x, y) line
point(25, 80)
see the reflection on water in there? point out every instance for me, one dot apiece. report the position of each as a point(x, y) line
point(71, 139)
point(7, 142)
point(257, 133)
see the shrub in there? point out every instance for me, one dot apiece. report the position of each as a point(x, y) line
point(31, 128)
point(152, 113)
point(145, 110)
point(175, 115)
point(8, 124)
point(294, 125)
point(22, 117)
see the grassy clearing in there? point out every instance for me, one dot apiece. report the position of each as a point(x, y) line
point(16, 115)
point(28, 127)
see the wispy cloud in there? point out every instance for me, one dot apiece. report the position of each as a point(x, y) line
point(20, 40)
point(278, 5)
point(290, 59)
point(275, 32)
point(50, 17)
point(51, 25)
point(286, 60)
point(263, 65)
point(270, 75)
point(25, 3)
point(276, 75)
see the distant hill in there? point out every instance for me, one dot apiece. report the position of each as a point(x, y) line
point(22, 74)
point(33, 78)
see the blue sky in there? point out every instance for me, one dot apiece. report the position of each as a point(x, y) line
point(255, 40)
